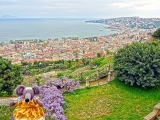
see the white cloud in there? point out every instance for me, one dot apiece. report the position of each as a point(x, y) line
point(137, 4)
point(90, 8)
point(147, 7)
point(119, 5)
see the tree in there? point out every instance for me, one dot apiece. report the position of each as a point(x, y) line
point(10, 76)
point(11, 42)
point(139, 64)
point(107, 52)
point(36, 64)
point(156, 34)
point(95, 62)
point(24, 63)
point(60, 74)
point(84, 60)
point(98, 55)
point(66, 64)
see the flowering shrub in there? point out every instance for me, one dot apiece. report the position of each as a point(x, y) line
point(52, 101)
point(52, 97)
point(65, 83)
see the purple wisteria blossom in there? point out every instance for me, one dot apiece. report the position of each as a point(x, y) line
point(52, 97)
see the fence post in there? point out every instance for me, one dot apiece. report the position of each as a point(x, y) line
point(109, 76)
point(97, 72)
point(98, 75)
point(81, 76)
point(108, 67)
point(87, 82)
point(112, 74)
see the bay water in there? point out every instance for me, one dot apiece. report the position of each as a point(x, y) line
point(49, 28)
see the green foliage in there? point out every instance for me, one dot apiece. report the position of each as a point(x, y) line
point(156, 34)
point(85, 61)
point(4, 94)
point(60, 74)
point(59, 62)
point(24, 63)
point(41, 67)
point(96, 62)
point(138, 64)
point(89, 71)
point(38, 80)
point(6, 112)
point(98, 55)
point(67, 64)
point(70, 76)
point(10, 76)
point(11, 42)
point(113, 101)
point(108, 60)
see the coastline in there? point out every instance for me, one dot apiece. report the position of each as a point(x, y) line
point(48, 28)
point(65, 49)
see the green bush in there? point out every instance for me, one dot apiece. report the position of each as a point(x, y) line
point(96, 62)
point(10, 76)
point(60, 74)
point(138, 64)
point(156, 34)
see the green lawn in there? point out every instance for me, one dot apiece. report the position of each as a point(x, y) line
point(6, 112)
point(113, 101)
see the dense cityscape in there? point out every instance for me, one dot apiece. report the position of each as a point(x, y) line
point(73, 48)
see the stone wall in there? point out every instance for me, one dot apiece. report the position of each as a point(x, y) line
point(155, 114)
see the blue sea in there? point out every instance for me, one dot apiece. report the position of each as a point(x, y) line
point(49, 28)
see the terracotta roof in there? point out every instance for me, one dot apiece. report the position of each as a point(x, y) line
point(88, 55)
point(101, 53)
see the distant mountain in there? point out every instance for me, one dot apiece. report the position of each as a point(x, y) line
point(8, 16)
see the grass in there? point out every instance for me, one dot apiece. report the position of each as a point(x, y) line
point(79, 70)
point(113, 101)
point(6, 112)
point(108, 60)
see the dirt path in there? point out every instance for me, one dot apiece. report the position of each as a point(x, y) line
point(6, 100)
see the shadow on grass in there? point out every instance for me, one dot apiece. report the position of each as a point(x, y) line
point(152, 91)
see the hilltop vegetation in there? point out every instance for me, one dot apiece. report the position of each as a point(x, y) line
point(78, 70)
point(88, 71)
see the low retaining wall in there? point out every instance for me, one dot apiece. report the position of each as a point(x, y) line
point(109, 77)
point(154, 114)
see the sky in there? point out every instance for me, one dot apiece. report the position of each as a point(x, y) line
point(80, 8)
